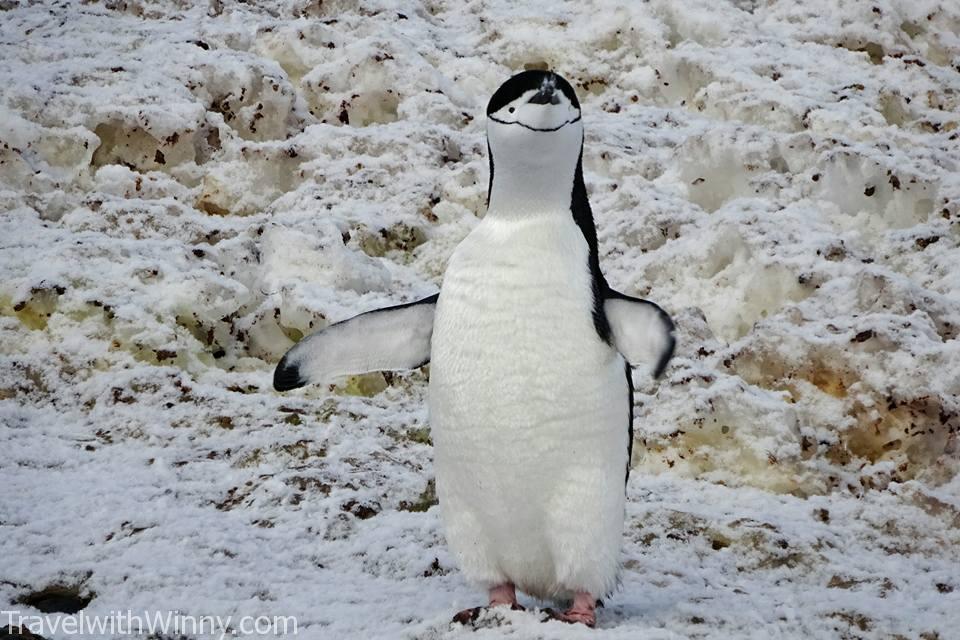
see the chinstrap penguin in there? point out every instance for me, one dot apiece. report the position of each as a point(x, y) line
point(530, 395)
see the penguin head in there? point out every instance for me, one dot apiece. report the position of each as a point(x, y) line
point(536, 109)
point(535, 101)
point(534, 128)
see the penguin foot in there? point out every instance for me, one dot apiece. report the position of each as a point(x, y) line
point(570, 616)
point(583, 611)
point(505, 593)
point(502, 595)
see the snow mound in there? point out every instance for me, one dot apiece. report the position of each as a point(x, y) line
point(189, 188)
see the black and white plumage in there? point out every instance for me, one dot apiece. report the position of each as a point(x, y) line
point(391, 338)
point(530, 391)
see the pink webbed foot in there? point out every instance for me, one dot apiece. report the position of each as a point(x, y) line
point(503, 595)
point(583, 611)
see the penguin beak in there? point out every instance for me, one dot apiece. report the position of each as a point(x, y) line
point(546, 95)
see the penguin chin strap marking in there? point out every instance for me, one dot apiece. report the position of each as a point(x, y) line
point(526, 126)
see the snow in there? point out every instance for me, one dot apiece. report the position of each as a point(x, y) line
point(189, 188)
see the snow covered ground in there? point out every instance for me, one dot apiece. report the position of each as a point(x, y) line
point(188, 188)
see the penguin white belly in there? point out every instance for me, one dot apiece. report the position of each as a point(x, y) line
point(529, 411)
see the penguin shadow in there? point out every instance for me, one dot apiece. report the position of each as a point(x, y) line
point(499, 617)
point(530, 623)
point(534, 620)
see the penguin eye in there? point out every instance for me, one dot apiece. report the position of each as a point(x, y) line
point(511, 109)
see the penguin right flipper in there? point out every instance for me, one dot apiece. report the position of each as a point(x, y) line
point(642, 331)
point(391, 338)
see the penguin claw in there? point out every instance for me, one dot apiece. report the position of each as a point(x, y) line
point(572, 616)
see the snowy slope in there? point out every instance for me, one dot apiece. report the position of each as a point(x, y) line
point(186, 189)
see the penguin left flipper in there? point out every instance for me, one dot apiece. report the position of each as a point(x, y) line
point(642, 332)
point(390, 338)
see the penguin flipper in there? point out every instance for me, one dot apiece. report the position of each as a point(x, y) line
point(390, 338)
point(642, 332)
